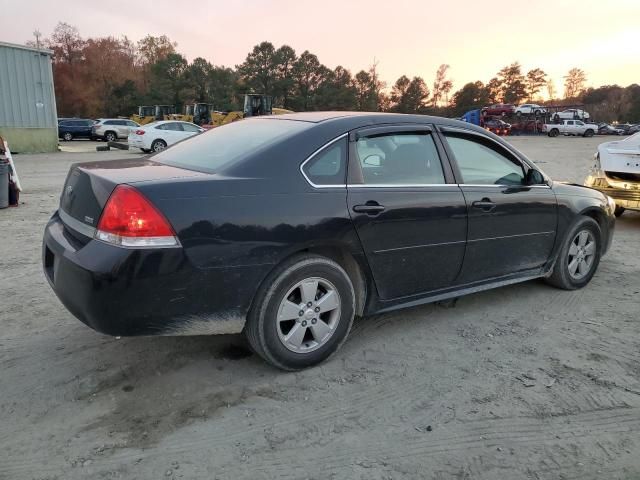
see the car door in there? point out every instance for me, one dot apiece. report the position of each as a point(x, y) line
point(172, 132)
point(409, 213)
point(570, 127)
point(512, 224)
point(190, 130)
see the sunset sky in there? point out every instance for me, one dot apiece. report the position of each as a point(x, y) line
point(410, 37)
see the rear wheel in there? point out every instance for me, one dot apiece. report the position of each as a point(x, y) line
point(588, 133)
point(110, 137)
point(579, 257)
point(67, 137)
point(554, 132)
point(158, 145)
point(302, 313)
point(618, 211)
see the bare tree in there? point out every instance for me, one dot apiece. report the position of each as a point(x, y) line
point(441, 86)
point(574, 82)
point(551, 89)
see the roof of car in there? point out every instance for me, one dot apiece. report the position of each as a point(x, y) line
point(361, 119)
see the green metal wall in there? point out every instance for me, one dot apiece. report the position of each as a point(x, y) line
point(28, 118)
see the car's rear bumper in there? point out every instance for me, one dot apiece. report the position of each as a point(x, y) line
point(122, 292)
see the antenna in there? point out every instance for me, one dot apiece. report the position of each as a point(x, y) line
point(37, 34)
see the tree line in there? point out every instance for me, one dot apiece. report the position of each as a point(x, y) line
point(109, 76)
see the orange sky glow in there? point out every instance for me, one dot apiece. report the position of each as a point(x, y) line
point(410, 37)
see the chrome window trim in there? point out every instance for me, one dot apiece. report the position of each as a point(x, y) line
point(400, 185)
point(310, 157)
point(77, 225)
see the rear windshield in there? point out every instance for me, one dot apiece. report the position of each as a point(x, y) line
point(210, 151)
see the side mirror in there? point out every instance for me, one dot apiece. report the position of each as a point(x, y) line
point(373, 160)
point(534, 177)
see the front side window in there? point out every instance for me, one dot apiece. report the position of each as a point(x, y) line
point(187, 127)
point(399, 159)
point(328, 167)
point(484, 163)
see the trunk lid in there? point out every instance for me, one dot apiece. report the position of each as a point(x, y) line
point(89, 185)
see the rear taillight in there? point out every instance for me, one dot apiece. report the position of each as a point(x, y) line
point(139, 132)
point(130, 220)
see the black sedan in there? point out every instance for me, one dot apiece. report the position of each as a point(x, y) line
point(287, 227)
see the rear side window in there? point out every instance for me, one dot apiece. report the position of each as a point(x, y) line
point(329, 166)
point(230, 143)
point(108, 122)
point(483, 163)
point(399, 159)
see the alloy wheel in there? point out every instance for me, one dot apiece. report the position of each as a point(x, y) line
point(581, 255)
point(308, 315)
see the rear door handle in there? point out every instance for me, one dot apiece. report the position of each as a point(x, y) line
point(485, 204)
point(370, 208)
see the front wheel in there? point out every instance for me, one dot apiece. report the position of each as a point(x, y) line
point(67, 137)
point(302, 313)
point(579, 257)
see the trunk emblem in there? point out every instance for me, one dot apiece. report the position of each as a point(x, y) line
point(88, 220)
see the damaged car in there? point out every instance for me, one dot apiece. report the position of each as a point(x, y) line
point(616, 172)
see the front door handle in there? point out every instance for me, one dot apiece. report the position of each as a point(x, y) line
point(370, 208)
point(485, 205)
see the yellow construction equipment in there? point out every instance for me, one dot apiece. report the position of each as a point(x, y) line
point(146, 114)
point(255, 105)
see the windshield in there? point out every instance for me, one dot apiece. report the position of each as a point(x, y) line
point(221, 146)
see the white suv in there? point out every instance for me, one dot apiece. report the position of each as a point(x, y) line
point(110, 129)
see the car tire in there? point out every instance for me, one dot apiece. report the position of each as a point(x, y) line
point(158, 145)
point(579, 256)
point(554, 132)
point(618, 211)
point(312, 334)
point(536, 112)
point(588, 133)
point(110, 136)
point(67, 137)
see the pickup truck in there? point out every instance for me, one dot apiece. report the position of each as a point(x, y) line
point(570, 127)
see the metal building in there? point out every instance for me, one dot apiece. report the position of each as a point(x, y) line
point(28, 119)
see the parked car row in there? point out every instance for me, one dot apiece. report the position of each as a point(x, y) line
point(502, 109)
point(155, 136)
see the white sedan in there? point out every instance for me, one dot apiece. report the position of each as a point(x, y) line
point(529, 108)
point(156, 136)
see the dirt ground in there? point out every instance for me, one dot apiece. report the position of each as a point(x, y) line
point(522, 382)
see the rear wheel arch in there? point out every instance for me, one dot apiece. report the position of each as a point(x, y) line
point(342, 257)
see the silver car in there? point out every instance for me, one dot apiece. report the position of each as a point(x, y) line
point(110, 129)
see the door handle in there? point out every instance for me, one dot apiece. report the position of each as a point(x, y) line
point(370, 208)
point(485, 205)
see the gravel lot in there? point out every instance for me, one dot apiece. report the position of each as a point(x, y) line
point(522, 382)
